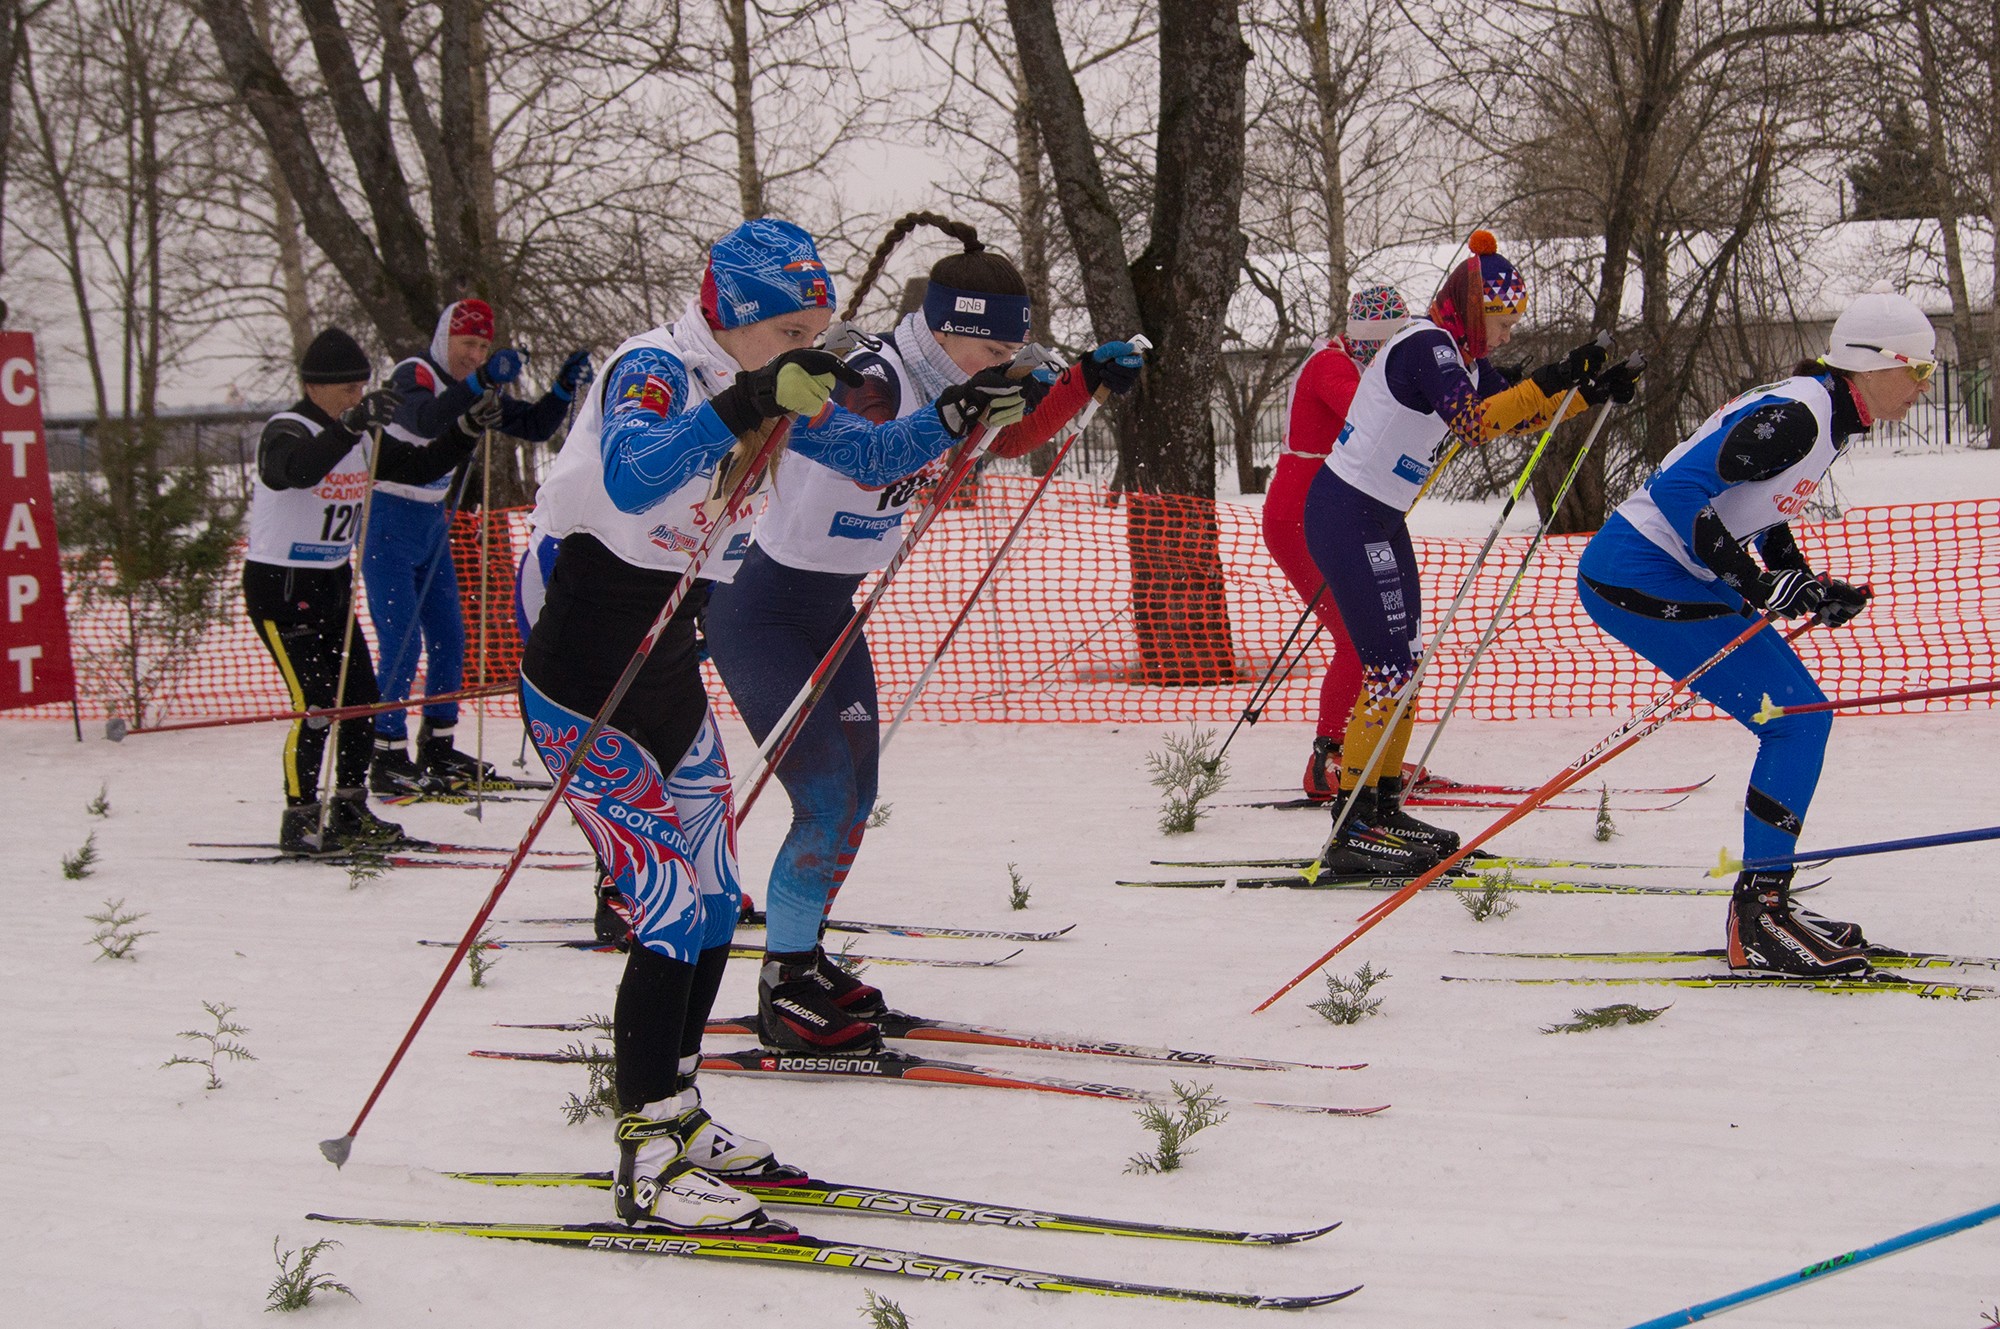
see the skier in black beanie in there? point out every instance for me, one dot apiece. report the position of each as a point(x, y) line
point(306, 507)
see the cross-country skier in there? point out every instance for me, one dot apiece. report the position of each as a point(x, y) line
point(1320, 397)
point(819, 535)
point(305, 505)
point(1671, 575)
point(1431, 386)
point(629, 498)
point(412, 585)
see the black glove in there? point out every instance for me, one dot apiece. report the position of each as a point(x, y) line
point(1844, 602)
point(501, 368)
point(482, 415)
point(373, 411)
point(1114, 365)
point(1788, 593)
point(575, 373)
point(990, 397)
point(1620, 383)
point(1572, 371)
point(796, 383)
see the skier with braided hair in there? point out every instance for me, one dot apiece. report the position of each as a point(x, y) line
point(1430, 387)
point(639, 485)
point(819, 535)
point(1672, 576)
point(1320, 396)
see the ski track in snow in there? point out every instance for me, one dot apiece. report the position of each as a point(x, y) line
point(1518, 1179)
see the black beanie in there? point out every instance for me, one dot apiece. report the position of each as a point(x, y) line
point(335, 357)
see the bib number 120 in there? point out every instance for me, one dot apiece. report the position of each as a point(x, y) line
point(338, 522)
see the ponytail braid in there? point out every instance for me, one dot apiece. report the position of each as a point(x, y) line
point(975, 268)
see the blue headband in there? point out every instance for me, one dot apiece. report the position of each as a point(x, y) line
point(976, 313)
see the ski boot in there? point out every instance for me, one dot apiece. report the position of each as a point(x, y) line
point(350, 824)
point(1364, 850)
point(797, 1010)
point(391, 773)
point(1389, 816)
point(862, 1000)
point(445, 764)
point(1322, 779)
point(298, 830)
point(658, 1185)
point(722, 1153)
point(1765, 936)
point(1840, 934)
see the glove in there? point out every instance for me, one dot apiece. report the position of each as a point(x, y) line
point(574, 374)
point(1572, 371)
point(373, 411)
point(1790, 593)
point(1620, 383)
point(482, 415)
point(501, 368)
point(796, 383)
point(1844, 602)
point(989, 397)
point(1114, 365)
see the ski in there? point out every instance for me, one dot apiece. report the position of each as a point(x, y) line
point(735, 952)
point(919, 1029)
point(1882, 955)
point(524, 793)
point(1490, 801)
point(878, 1202)
point(814, 1252)
point(1445, 785)
point(1551, 885)
point(1479, 862)
point(396, 858)
point(405, 846)
point(1876, 981)
point(755, 919)
point(903, 1066)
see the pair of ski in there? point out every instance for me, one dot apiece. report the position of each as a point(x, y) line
point(502, 789)
point(754, 918)
point(810, 1252)
point(599, 947)
point(1435, 792)
point(1874, 980)
point(1477, 874)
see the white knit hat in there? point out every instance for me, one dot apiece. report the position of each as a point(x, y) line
point(1881, 330)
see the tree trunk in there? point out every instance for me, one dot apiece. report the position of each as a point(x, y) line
point(749, 178)
point(1315, 27)
point(1176, 292)
point(10, 34)
point(1962, 334)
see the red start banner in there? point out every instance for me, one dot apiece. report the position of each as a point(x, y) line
point(35, 665)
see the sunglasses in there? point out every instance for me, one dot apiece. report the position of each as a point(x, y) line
point(1920, 370)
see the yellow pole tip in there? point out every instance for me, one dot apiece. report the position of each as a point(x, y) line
point(1768, 711)
point(1726, 866)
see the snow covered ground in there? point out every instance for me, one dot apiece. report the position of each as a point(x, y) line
point(1518, 1178)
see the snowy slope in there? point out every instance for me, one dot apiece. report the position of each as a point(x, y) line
point(1518, 1179)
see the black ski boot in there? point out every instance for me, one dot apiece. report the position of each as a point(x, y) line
point(1365, 850)
point(391, 773)
point(1322, 778)
point(1835, 931)
point(351, 824)
point(442, 762)
point(864, 1001)
point(796, 1010)
point(298, 830)
point(1765, 936)
point(1390, 817)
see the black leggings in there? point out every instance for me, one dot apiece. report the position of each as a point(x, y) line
point(299, 614)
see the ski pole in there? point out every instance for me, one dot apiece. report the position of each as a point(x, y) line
point(329, 761)
point(1823, 1268)
point(993, 567)
point(116, 729)
point(1507, 597)
point(1770, 711)
point(760, 451)
point(1656, 714)
point(786, 731)
point(485, 613)
point(1408, 692)
point(1729, 865)
point(1253, 709)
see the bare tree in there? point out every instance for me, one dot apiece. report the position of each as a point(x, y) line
point(1175, 290)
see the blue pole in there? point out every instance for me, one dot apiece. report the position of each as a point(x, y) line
point(1914, 1237)
point(1879, 847)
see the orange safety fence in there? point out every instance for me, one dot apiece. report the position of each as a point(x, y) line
point(1063, 635)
